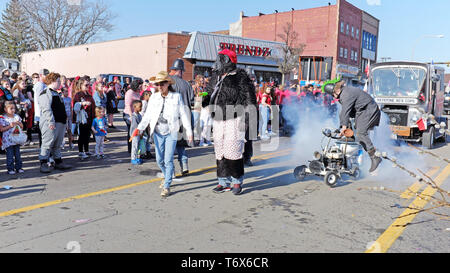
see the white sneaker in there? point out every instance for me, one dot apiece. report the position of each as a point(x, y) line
point(11, 172)
point(161, 175)
point(83, 156)
point(265, 138)
point(21, 171)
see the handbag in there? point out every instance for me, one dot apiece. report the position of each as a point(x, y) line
point(18, 137)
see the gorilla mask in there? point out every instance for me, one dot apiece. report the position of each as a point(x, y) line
point(226, 62)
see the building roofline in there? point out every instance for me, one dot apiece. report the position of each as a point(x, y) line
point(365, 12)
point(285, 12)
point(116, 40)
point(237, 37)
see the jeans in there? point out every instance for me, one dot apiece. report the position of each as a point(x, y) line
point(195, 121)
point(223, 181)
point(165, 150)
point(127, 120)
point(264, 112)
point(99, 145)
point(182, 155)
point(13, 152)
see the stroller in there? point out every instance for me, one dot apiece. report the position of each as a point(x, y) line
point(342, 156)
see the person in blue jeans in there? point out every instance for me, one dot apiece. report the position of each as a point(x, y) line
point(264, 109)
point(100, 131)
point(164, 110)
point(9, 122)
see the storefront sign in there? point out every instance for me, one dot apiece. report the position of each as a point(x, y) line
point(247, 50)
point(396, 101)
point(368, 54)
point(347, 69)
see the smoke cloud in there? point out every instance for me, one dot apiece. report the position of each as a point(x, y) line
point(309, 118)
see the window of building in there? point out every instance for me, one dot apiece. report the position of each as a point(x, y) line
point(345, 53)
point(341, 52)
point(357, 33)
point(342, 27)
point(353, 31)
point(348, 30)
point(356, 55)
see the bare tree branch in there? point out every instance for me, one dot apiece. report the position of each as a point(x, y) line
point(291, 50)
point(57, 23)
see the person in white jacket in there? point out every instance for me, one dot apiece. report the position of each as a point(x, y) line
point(164, 110)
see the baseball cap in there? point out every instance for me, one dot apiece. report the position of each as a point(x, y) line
point(44, 72)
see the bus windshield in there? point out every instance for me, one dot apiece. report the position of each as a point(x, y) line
point(395, 81)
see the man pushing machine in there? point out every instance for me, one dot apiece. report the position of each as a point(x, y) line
point(362, 107)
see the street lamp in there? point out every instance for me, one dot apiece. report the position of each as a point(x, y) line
point(423, 37)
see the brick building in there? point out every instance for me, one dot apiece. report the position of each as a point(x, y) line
point(335, 37)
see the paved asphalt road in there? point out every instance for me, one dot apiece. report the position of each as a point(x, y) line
point(110, 206)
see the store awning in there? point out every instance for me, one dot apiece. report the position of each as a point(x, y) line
point(243, 66)
point(203, 47)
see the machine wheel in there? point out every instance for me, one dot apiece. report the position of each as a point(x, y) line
point(331, 179)
point(428, 138)
point(300, 172)
point(356, 174)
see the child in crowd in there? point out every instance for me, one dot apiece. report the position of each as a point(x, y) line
point(9, 123)
point(145, 97)
point(68, 105)
point(111, 107)
point(136, 118)
point(99, 128)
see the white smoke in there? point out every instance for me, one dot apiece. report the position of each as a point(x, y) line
point(406, 156)
point(309, 119)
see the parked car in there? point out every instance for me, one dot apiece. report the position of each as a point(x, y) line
point(122, 77)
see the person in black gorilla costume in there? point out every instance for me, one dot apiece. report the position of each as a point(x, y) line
point(231, 98)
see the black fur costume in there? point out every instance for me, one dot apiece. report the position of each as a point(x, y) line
point(236, 89)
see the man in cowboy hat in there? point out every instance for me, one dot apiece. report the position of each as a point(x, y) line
point(362, 107)
point(187, 94)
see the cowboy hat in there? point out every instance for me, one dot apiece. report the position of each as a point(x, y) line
point(162, 76)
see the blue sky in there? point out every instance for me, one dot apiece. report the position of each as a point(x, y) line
point(403, 22)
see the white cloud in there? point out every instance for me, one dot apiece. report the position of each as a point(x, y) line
point(374, 2)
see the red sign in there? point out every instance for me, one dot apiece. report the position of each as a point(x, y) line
point(247, 50)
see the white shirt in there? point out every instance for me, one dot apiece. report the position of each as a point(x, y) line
point(174, 109)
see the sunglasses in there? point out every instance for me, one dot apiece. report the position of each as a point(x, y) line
point(160, 83)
